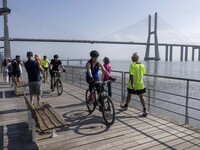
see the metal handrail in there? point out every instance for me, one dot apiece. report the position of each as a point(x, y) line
point(122, 76)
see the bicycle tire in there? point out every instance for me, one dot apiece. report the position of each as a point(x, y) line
point(91, 104)
point(108, 110)
point(59, 86)
point(44, 77)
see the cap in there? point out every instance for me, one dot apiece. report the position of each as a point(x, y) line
point(29, 54)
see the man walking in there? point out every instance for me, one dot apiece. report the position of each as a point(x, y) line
point(33, 69)
point(135, 83)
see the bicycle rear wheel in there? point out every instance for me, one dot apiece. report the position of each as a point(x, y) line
point(90, 100)
point(108, 110)
point(44, 77)
point(59, 86)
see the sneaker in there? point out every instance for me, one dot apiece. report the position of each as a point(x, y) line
point(124, 107)
point(144, 114)
point(52, 88)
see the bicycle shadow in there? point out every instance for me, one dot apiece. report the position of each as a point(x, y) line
point(49, 94)
point(83, 123)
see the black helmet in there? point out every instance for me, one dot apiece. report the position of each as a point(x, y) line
point(94, 53)
point(56, 56)
point(44, 56)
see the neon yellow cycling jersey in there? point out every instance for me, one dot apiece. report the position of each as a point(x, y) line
point(137, 70)
point(45, 63)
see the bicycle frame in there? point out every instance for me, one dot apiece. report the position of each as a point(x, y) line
point(100, 87)
point(103, 101)
point(57, 75)
point(57, 82)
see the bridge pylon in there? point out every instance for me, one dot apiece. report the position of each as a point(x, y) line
point(155, 44)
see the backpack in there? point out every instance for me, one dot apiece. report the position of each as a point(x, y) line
point(15, 65)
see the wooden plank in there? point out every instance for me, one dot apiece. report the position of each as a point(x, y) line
point(55, 114)
point(20, 84)
point(40, 122)
point(44, 117)
point(49, 111)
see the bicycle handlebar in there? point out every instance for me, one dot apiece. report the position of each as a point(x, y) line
point(104, 82)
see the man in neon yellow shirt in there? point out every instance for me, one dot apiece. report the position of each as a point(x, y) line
point(45, 65)
point(135, 83)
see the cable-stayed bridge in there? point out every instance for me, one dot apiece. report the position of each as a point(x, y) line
point(157, 36)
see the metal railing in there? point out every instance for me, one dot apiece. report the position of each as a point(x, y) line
point(168, 96)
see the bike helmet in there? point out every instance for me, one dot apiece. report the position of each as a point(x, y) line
point(56, 56)
point(94, 53)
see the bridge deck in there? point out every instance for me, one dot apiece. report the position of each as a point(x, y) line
point(88, 131)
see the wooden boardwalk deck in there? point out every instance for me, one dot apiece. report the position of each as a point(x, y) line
point(88, 131)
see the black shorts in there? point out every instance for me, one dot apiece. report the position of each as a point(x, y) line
point(138, 92)
point(16, 74)
point(10, 74)
point(45, 69)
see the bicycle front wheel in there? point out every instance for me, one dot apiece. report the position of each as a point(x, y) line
point(59, 86)
point(44, 77)
point(90, 100)
point(108, 110)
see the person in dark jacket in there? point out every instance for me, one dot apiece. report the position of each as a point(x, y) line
point(33, 69)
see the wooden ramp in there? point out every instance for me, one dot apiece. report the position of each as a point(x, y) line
point(86, 131)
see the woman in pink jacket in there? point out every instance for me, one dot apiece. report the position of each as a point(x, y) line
point(105, 77)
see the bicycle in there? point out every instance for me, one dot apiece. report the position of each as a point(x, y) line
point(57, 82)
point(99, 97)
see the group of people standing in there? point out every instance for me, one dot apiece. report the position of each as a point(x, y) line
point(12, 69)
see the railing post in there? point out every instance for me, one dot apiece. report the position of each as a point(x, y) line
point(186, 107)
point(72, 75)
point(81, 62)
point(80, 79)
point(122, 86)
point(149, 94)
point(124, 82)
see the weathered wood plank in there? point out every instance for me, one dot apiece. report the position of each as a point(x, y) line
point(55, 114)
point(43, 116)
point(49, 111)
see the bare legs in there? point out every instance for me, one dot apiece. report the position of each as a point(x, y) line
point(32, 98)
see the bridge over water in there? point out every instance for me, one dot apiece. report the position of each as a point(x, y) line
point(161, 39)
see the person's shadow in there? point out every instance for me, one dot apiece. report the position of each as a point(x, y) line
point(18, 137)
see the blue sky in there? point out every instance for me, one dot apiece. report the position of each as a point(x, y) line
point(93, 20)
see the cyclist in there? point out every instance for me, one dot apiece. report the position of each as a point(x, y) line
point(45, 65)
point(55, 64)
point(93, 66)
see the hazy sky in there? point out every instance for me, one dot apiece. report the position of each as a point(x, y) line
point(94, 20)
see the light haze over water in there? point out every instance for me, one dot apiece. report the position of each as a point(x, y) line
point(182, 69)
